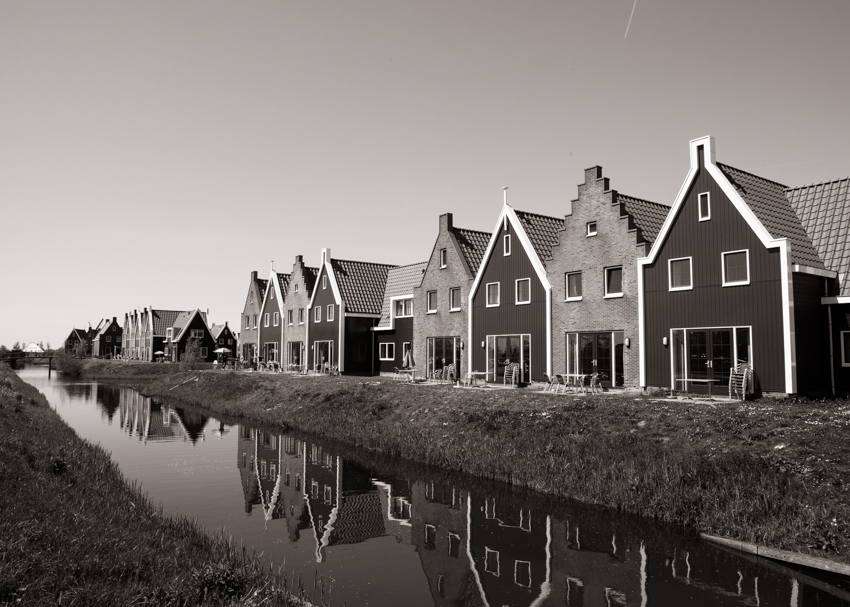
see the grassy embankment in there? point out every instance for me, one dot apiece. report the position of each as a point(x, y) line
point(72, 531)
point(771, 472)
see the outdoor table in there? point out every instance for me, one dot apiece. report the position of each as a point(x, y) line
point(579, 376)
point(408, 374)
point(699, 381)
point(475, 375)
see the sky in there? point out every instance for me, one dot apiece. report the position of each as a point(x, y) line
point(153, 154)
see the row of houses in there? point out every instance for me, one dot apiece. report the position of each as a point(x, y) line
point(739, 270)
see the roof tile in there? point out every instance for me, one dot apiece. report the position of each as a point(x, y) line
point(400, 281)
point(361, 284)
point(542, 231)
point(473, 244)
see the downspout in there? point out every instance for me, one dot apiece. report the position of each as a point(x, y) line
point(831, 350)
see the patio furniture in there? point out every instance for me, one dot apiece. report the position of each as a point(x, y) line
point(740, 381)
point(473, 377)
point(551, 383)
point(562, 383)
point(511, 374)
point(448, 374)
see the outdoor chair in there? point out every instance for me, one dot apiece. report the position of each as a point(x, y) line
point(740, 381)
point(551, 383)
point(596, 383)
point(448, 374)
point(511, 374)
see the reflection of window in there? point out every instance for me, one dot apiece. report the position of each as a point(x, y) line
point(522, 574)
point(454, 545)
point(430, 536)
point(736, 268)
point(704, 207)
point(573, 281)
point(523, 291)
point(680, 273)
point(440, 586)
point(386, 351)
point(314, 489)
point(454, 298)
point(491, 561)
point(525, 519)
point(493, 292)
point(614, 282)
point(575, 591)
point(405, 510)
point(328, 495)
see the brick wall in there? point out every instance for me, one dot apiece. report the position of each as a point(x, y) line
point(297, 297)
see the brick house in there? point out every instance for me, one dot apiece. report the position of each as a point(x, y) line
point(249, 333)
point(145, 332)
point(107, 341)
point(270, 331)
point(593, 272)
point(301, 283)
point(441, 332)
point(394, 332)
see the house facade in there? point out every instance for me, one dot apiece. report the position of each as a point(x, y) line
point(394, 331)
point(145, 332)
point(224, 338)
point(189, 327)
point(79, 342)
point(593, 272)
point(249, 324)
point(107, 341)
point(270, 331)
point(301, 282)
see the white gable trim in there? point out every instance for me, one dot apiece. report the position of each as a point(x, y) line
point(392, 313)
point(326, 268)
point(814, 271)
point(188, 322)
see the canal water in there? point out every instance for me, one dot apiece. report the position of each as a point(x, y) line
point(385, 533)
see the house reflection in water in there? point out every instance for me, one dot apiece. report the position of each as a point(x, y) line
point(108, 399)
point(146, 420)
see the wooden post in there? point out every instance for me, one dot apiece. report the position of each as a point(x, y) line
point(49, 366)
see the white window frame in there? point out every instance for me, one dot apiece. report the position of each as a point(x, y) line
point(295, 288)
point(459, 299)
point(567, 287)
point(590, 229)
point(266, 320)
point(498, 294)
point(317, 314)
point(276, 318)
point(271, 294)
point(324, 281)
point(506, 245)
point(670, 286)
point(487, 552)
point(405, 346)
point(386, 350)
point(605, 282)
point(708, 206)
point(516, 570)
point(402, 302)
point(300, 316)
point(169, 333)
point(443, 258)
point(723, 268)
point(248, 321)
point(203, 351)
point(289, 317)
point(330, 314)
point(516, 292)
point(196, 333)
point(844, 362)
point(255, 321)
point(428, 302)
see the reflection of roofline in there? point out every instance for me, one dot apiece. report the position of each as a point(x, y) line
point(390, 515)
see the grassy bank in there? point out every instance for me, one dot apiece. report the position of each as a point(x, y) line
point(73, 532)
point(770, 472)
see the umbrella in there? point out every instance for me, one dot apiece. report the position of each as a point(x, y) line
point(160, 353)
point(222, 351)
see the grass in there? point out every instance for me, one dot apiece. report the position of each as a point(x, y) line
point(73, 532)
point(769, 471)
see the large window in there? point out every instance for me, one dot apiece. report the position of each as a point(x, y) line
point(736, 268)
point(493, 293)
point(680, 274)
point(704, 207)
point(614, 282)
point(454, 299)
point(387, 351)
point(573, 284)
point(442, 351)
point(523, 291)
point(403, 307)
point(432, 301)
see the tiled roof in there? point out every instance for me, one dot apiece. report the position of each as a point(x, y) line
point(361, 284)
point(163, 319)
point(283, 280)
point(262, 283)
point(310, 275)
point(473, 244)
point(181, 321)
point(767, 200)
point(824, 210)
point(542, 232)
point(648, 216)
point(400, 281)
point(360, 518)
point(216, 330)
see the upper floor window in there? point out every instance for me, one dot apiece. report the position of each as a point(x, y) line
point(403, 307)
point(276, 318)
point(442, 258)
point(573, 284)
point(169, 332)
point(255, 321)
point(523, 291)
point(432, 301)
point(736, 268)
point(680, 274)
point(289, 317)
point(614, 282)
point(324, 281)
point(507, 245)
point(267, 319)
point(271, 293)
point(197, 333)
point(317, 314)
point(330, 312)
point(590, 229)
point(295, 288)
point(493, 292)
point(300, 316)
point(454, 298)
point(247, 322)
point(704, 207)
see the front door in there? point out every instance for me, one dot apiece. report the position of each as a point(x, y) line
point(595, 355)
point(323, 352)
point(709, 357)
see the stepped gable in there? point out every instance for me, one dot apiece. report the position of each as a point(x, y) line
point(400, 281)
point(361, 284)
point(767, 200)
point(360, 518)
point(542, 231)
point(163, 319)
point(648, 216)
point(473, 245)
point(283, 280)
point(824, 211)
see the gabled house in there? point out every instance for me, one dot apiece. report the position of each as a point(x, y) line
point(78, 343)
point(593, 272)
point(270, 331)
point(344, 306)
point(510, 299)
point(144, 332)
point(224, 338)
point(107, 341)
point(248, 335)
point(189, 327)
point(394, 331)
point(301, 282)
point(441, 316)
point(733, 278)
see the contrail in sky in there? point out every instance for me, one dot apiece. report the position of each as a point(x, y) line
point(630, 19)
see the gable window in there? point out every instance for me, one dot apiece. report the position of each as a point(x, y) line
point(296, 288)
point(590, 229)
point(330, 312)
point(271, 293)
point(523, 291)
point(736, 268)
point(289, 317)
point(197, 333)
point(573, 283)
point(255, 321)
point(324, 281)
point(317, 314)
point(387, 351)
point(432, 301)
point(680, 273)
point(300, 316)
point(454, 299)
point(507, 245)
point(493, 292)
point(704, 207)
point(276, 318)
point(403, 307)
point(247, 322)
point(845, 348)
point(442, 258)
point(267, 319)
point(614, 282)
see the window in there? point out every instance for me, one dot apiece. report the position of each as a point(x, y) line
point(203, 352)
point(271, 293)
point(197, 333)
point(523, 291)
point(454, 545)
point(430, 537)
point(736, 268)
point(267, 319)
point(330, 312)
point(386, 351)
point(221, 341)
point(573, 283)
point(614, 282)
point(403, 307)
point(704, 207)
point(317, 314)
point(522, 573)
point(300, 316)
point(276, 318)
point(229, 341)
point(247, 322)
point(493, 292)
point(255, 321)
point(491, 561)
point(507, 245)
point(169, 333)
point(442, 258)
point(454, 299)
point(108, 339)
point(845, 348)
point(295, 288)
point(324, 281)
point(289, 317)
point(432, 302)
point(590, 228)
point(680, 272)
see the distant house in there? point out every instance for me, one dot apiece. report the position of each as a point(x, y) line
point(78, 343)
point(294, 314)
point(224, 338)
point(33, 348)
point(394, 331)
point(270, 331)
point(146, 332)
point(345, 305)
point(107, 341)
point(249, 332)
point(189, 327)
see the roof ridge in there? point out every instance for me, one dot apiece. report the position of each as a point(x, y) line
point(539, 215)
point(729, 166)
point(371, 263)
point(811, 185)
point(659, 204)
point(418, 263)
point(476, 231)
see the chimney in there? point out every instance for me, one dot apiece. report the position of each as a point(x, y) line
point(326, 255)
point(299, 259)
point(446, 222)
point(113, 319)
point(254, 276)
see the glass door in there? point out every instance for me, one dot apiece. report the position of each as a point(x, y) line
point(589, 353)
point(709, 358)
point(504, 350)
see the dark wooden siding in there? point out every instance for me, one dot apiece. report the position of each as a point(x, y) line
point(270, 334)
point(206, 342)
point(508, 318)
point(403, 332)
point(709, 304)
point(840, 322)
point(359, 357)
point(324, 330)
point(811, 320)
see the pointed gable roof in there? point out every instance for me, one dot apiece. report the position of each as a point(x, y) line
point(648, 216)
point(768, 202)
point(400, 281)
point(824, 211)
point(163, 319)
point(182, 321)
point(542, 231)
point(216, 330)
point(283, 282)
point(262, 284)
point(472, 244)
point(361, 284)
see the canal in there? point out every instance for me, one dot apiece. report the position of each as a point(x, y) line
point(366, 530)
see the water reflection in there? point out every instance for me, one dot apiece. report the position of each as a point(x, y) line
point(460, 542)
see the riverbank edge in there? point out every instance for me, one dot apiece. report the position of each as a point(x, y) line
point(75, 531)
point(545, 443)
